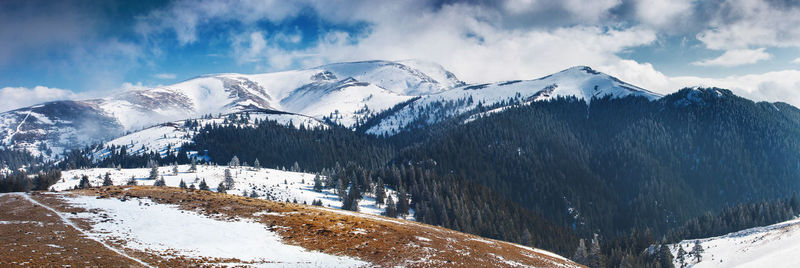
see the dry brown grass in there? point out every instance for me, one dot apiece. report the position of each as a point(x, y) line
point(379, 240)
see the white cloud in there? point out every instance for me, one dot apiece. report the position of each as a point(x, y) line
point(770, 86)
point(736, 57)
point(662, 13)
point(18, 97)
point(183, 17)
point(737, 24)
point(465, 40)
point(797, 60)
point(165, 76)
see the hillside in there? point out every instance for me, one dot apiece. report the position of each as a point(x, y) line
point(263, 183)
point(769, 246)
point(106, 226)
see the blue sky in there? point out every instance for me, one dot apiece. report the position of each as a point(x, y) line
point(80, 49)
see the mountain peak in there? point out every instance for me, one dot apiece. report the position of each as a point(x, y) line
point(581, 69)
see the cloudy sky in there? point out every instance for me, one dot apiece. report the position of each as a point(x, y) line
point(80, 49)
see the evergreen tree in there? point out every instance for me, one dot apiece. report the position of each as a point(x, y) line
point(380, 192)
point(153, 170)
point(595, 258)
point(391, 211)
point(402, 203)
point(697, 251)
point(664, 256)
point(193, 168)
point(160, 182)
point(234, 162)
point(182, 184)
point(581, 253)
point(526, 238)
point(131, 181)
point(221, 188)
point(256, 164)
point(681, 257)
point(107, 180)
point(254, 194)
point(203, 186)
point(317, 183)
point(228, 179)
point(350, 202)
point(192, 186)
point(84, 183)
point(175, 168)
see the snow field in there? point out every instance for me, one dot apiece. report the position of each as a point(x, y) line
point(172, 232)
point(271, 184)
point(776, 245)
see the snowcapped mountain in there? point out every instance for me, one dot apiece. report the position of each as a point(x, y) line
point(349, 94)
point(580, 82)
point(344, 93)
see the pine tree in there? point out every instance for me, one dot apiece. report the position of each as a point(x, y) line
point(234, 162)
point(153, 170)
point(160, 182)
point(175, 168)
point(350, 202)
point(664, 256)
point(697, 251)
point(341, 189)
point(131, 181)
point(254, 194)
point(228, 179)
point(526, 238)
point(391, 211)
point(256, 164)
point(581, 253)
point(402, 203)
point(182, 184)
point(296, 167)
point(317, 184)
point(192, 186)
point(380, 192)
point(107, 180)
point(203, 186)
point(596, 258)
point(681, 256)
point(84, 183)
point(221, 188)
point(193, 168)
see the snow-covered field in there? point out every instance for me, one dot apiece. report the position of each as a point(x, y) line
point(171, 232)
point(174, 134)
point(269, 184)
point(777, 245)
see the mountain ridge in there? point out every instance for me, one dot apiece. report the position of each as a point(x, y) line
point(348, 93)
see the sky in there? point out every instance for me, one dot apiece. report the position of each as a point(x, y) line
point(51, 50)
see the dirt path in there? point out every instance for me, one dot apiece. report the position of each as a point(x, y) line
point(32, 234)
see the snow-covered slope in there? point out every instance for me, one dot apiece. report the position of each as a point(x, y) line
point(270, 184)
point(770, 246)
point(344, 92)
point(145, 226)
point(164, 137)
point(580, 82)
point(169, 231)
